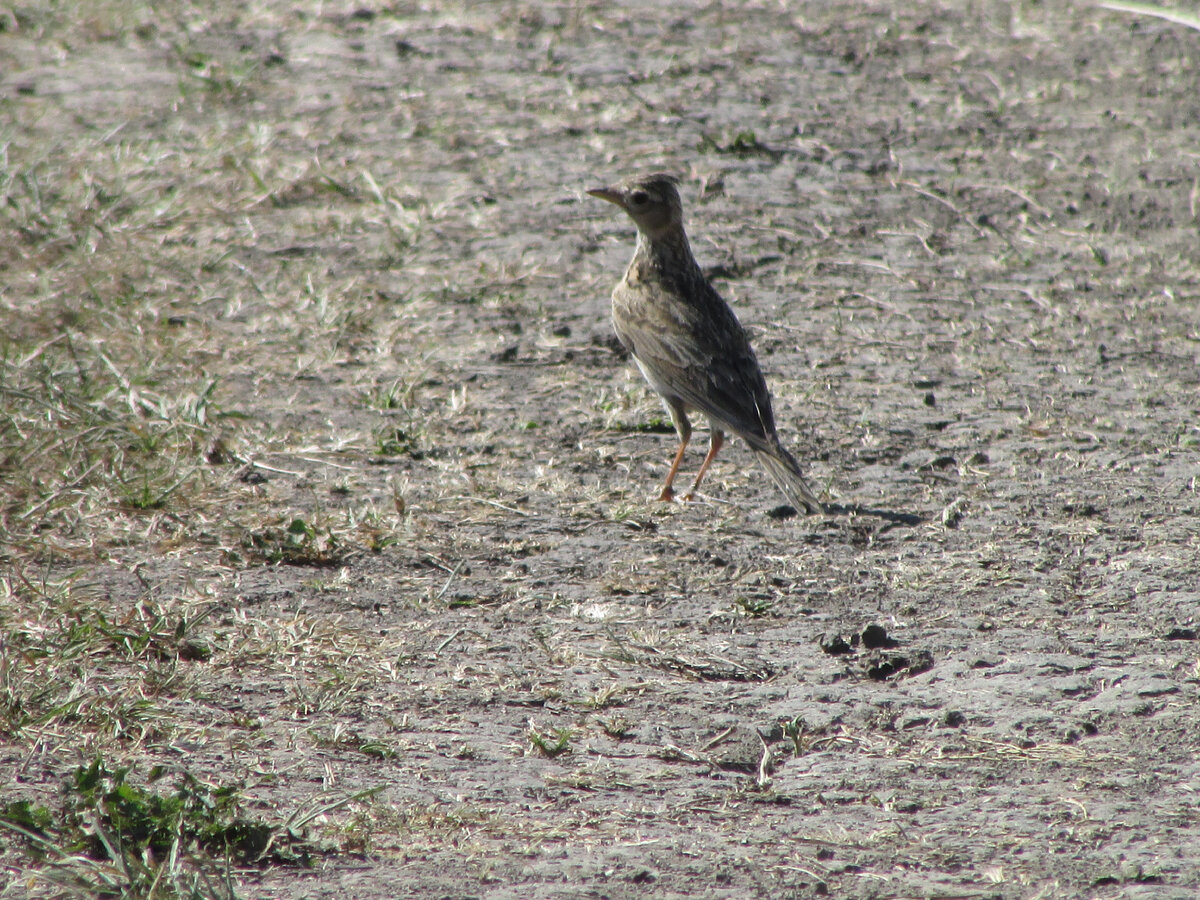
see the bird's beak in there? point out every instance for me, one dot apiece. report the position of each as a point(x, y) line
point(612, 195)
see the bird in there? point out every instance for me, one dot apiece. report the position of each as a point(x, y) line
point(689, 344)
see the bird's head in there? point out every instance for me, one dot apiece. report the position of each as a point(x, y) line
point(652, 202)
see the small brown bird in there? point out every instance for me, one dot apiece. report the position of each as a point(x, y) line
point(688, 342)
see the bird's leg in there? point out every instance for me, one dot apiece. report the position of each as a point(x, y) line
point(668, 492)
point(684, 429)
point(715, 441)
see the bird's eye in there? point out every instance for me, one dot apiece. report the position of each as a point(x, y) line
point(639, 198)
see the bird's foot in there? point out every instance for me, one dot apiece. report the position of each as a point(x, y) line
point(667, 495)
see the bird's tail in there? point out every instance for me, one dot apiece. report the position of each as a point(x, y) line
point(784, 469)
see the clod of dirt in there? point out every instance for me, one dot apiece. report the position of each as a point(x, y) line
point(408, 48)
point(875, 637)
point(1072, 734)
point(195, 651)
point(888, 665)
point(837, 645)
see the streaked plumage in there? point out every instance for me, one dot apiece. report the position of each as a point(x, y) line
point(688, 342)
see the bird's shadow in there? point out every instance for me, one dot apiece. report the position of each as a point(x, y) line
point(887, 515)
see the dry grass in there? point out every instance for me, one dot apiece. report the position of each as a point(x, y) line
point(319, 475)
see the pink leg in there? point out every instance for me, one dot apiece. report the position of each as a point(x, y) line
point(715, 441)
point(668, 492)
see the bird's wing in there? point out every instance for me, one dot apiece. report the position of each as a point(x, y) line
point(698, 352)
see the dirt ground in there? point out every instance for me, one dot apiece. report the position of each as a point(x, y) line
point(422, 522)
